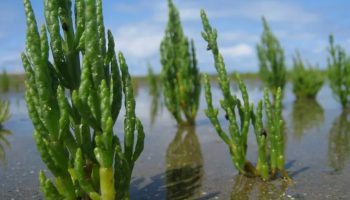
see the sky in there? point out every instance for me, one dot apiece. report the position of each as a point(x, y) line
point(138, 27)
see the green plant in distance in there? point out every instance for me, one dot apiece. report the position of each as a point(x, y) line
point(180, 75)
point(339, 72)
point(307, 80)
point(271, 60)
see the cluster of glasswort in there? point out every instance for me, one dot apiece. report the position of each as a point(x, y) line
point(240, 114)
point(74, 106)
point(307, 81)
point(339, 72)
point(180, 75)
point(271, 60)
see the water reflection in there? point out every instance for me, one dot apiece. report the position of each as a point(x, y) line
point(306, 114)
point(184, 166)
point(339, 142)
point(245, 188)
point(4, 142)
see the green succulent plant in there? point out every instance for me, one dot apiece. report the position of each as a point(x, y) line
point(307, 81)
point(180, 75)
point(339, 72)
point(74, 101)
point(271, 60)
point(240, 113)
point(154, 91)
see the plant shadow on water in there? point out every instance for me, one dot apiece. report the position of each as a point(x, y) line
point(184, 165)
point(339, 141)
point(4, 143)
point(245, 188)
point(184, 171)
point(306, 114)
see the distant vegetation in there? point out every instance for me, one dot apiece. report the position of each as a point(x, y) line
point(4, 81)
point(272, 65)
point(307, 80)
point(339, 72)
point(180, 76)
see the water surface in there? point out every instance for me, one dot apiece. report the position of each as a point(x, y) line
point(193, 163)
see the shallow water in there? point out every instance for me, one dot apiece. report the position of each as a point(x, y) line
point(193, 163)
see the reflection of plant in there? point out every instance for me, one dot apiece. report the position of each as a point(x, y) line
point(180, 75)
point(184, 165)
point(306, 114)
point(271, 60)
point(239, 113)
point(307, 81)
point(339, 72)
point(74, 108)
point(339, 142)
point(3, 141)
point(4, 111)
point(247, 188)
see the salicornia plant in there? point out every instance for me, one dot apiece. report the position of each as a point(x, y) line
point(307, 80)
point(154, 91)
point(339, 72)
point(271, 60)
point(153, 83)
point(180, 75)
point(240, 113)
point(274, 133)
point(74, 106)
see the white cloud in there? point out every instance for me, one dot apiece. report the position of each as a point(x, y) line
point(139, 40)
point(240, 50)
point(277, 11)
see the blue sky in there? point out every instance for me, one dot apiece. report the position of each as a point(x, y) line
point(138, 27)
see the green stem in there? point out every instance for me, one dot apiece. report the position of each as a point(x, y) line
point(107, 184)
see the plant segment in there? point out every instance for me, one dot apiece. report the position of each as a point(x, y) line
point(339, 72)
point(154, 91)
point(180, 75)
point(240, 113)
point(307, 81)
point(74, 106)
point(153, 83)
point(271, 60)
